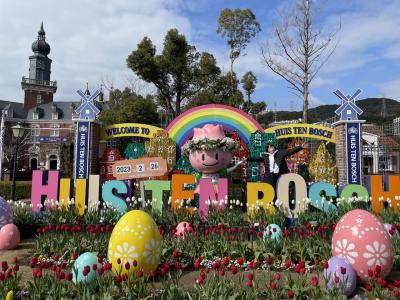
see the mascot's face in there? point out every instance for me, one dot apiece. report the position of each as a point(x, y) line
point(210, 161)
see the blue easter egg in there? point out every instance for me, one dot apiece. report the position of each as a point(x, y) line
point(85, 259)
point(6, 213)
point(273, 232)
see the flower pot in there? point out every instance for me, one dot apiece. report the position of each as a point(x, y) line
point(27, 230)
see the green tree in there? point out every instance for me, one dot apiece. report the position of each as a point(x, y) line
point(258, 107)
point(178, 73)
point(249, 81)
point(238, 27)
point(126, 107)
point(221, 92)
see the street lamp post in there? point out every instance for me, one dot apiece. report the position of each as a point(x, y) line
point(18, 133)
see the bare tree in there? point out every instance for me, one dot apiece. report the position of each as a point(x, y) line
point(298, 49)
point(138, 86)
point(107, 83)
point(22, 144)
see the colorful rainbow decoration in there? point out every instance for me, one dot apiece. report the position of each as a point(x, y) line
point(233, 119)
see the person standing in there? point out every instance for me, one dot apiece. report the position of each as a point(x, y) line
point(275, 162)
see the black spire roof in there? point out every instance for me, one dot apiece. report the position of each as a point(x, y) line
point(40, 45)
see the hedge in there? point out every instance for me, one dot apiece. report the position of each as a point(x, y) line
point(22, 189)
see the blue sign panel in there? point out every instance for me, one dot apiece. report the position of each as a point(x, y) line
point(353, 146)
point(82, 150)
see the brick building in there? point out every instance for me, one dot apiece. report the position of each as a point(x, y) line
point(50, 125)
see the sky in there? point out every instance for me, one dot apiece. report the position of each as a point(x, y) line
point(90, 41)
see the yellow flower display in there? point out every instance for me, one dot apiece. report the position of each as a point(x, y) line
point(322, 166)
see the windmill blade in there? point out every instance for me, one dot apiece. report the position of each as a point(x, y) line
point(358, 92)
point(82, 94)
point(340, 95)
point(94, 96)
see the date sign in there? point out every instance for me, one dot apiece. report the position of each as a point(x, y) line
point(140, 168)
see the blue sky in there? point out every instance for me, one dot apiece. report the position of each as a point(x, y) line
point(90, 43)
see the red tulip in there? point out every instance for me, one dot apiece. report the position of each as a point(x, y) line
point(273, 285)
point(140, 273)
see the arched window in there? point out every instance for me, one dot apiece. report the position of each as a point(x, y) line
point(33, 163)
point(53, 162)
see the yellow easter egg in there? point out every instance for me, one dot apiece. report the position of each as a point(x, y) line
point(135, 238)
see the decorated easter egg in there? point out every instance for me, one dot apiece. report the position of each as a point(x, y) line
point(183, 228)
point(341, 274)
point(83, 268)
point(362, 240)
point(273, 232)
point(6, 214)
point(135, 238)
point(9, 237)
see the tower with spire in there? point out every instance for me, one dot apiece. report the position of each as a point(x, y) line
point(38, 87)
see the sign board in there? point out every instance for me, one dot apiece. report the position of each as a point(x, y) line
point(128, 129)
point(139, 168)
point(82, 150)
point(50, 139)
point(353, 153)
point(297, 130)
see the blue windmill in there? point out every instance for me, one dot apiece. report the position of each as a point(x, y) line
point(348, 110)
point(87, 110)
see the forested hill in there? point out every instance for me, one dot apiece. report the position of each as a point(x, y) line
point(372, 108)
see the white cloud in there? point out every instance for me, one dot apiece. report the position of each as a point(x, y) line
point(89, 40)
point(321, 82)
point(391, 89)
point(368, 33)
point(314, 101)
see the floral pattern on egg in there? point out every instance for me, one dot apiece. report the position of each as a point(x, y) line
point(135, 238)
point(363, 241)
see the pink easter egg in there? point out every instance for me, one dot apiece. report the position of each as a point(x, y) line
point(9, 237)
point(183, 228)
point(362, 240)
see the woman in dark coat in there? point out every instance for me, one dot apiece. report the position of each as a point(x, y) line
point(275, 162)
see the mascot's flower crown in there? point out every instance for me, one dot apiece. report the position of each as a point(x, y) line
point(209, 137)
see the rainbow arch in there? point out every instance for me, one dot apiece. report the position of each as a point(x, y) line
point(233, 119)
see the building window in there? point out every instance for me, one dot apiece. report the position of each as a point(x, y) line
point(55, 131)
point(257, 139)
point(35, 115)
point(54, 116)
point(39, 99)
point(254, 171)
point(35, 130)
point(35, 133)
point(109, 169)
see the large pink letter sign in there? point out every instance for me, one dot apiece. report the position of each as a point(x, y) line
point(208, 193)
point(40, 189)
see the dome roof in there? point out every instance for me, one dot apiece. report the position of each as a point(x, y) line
point(40, 45)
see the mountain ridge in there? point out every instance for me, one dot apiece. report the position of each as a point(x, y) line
point(372, 108)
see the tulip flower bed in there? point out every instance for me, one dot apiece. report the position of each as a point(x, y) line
point(230, 256)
